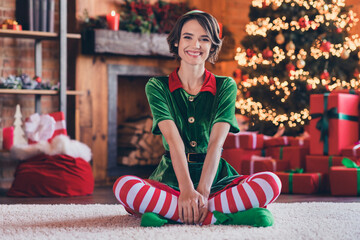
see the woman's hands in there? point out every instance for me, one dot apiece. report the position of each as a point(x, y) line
point(193, 207)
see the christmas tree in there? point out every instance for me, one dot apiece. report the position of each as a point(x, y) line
point(294, 48)
point(19, 134)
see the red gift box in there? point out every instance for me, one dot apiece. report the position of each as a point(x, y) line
point(340, 113)
point(300, 183)
point(345, 181)
point(278, 141)
point(245, 140)
point(353, 151)
point(235, 156)
point(302, 142)
point(59, 127)
point(322, 164)
point(261, 164)
point(295, 155)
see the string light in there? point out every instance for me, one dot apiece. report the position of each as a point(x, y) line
point(328, 15)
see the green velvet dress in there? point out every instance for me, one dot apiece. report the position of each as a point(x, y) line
point(194, 116)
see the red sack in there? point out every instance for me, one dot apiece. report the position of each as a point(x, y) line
point(52, 176)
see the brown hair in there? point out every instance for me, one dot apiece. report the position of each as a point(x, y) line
point(208, 22)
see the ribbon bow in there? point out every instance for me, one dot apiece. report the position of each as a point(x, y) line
point(40, 127)
point(349, 163)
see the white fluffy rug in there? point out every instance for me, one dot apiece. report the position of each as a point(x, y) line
point(318, 220)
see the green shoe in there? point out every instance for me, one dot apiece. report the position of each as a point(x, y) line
point(257, 217)
point(150, 219)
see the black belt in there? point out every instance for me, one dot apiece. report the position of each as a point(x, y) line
point(191, 157)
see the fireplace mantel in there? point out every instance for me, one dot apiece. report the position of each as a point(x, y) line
point(103, 41)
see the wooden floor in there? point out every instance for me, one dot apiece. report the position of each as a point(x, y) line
point(104, 195)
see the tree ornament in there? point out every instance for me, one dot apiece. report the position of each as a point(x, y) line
point(309, 87)
point(265, 4)
point(300, 63)
point(280, 39)
point(247, 94)
point(249, 53)
point(237, 75)
point(274, 6)
point(325, 46)
point(303, 22)
point(339, 30)
point(290, 46)
point(267, 53)
point(245, 77)
point(356, 73)
point(325, 75)
point(272, 82)
point(345, 54)
point(290, 68)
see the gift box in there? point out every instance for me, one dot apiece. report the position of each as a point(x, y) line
point(295, 155)
point(334, 122)
point(235, 156)
point(345, 180)
point(12, 27)
point(322, 164)
point(278, 141)
point(45, 127)
point(300, 183)
point(302, 142)
point(245, 140)
point(261, 164)
point(352, 151)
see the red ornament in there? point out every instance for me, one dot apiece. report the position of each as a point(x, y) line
point(325, 75)
point(264, 4)
point(267, 53)
point(37, 79)
point(247, 94)
point(339, 30)
point(356, 73)
point(327, 87)
point(309, 87)
point(245, 77)
point(325, 46)
point(237, 75)
point(272, 82)
point(303, 23)
point(249, 53)
point(290, 67)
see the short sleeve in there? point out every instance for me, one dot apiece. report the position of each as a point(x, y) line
point(226, 107)
point(156, 94)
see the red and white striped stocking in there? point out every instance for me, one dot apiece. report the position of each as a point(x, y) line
point(258, 190)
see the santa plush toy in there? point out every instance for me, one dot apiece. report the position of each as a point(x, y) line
point(53, 165)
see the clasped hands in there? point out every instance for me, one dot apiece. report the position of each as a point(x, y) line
point(193, 206)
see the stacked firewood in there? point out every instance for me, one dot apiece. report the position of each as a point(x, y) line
point(137, 145)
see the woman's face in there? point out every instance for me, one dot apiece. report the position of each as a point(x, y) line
point(195, 44)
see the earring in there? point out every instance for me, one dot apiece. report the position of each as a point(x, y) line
point(176, 45)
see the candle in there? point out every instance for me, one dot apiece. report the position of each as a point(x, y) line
point(221, 30)
point(8, 137)
point(113, 20)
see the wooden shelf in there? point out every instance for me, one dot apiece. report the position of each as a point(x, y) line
point(35, 34)
point(38, 92)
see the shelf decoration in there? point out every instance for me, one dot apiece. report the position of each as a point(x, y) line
point(141, 24)
point(8, 137)
point(113, 20)
point(23, 81)
point(11, 24)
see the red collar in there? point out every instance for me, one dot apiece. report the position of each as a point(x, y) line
point(209, 84)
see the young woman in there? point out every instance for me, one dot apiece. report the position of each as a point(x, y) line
point(194, 110)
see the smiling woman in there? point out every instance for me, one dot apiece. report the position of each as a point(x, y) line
point(194, 110)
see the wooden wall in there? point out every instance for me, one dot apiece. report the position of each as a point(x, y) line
point(91, 72)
